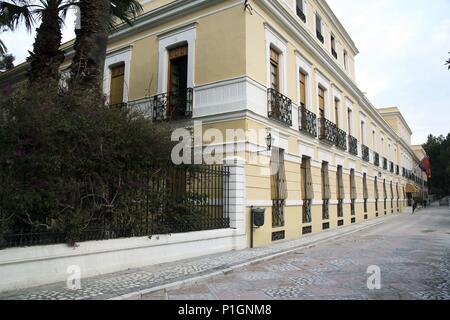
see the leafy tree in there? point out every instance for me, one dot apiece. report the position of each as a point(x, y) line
point(6, 62)
point(46, 57)
point(438, 149)
point(97, 19)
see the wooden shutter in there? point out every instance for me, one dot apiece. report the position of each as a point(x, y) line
point(275, 69)
point(392, 190)
point(321, 102)
point(353, 194)
point(398, 193)
point(308, 192)
point(377, 194)
point(178, 52)
point(365, 190)
point(117, 84)
point(340, 181)
point(302, 89)
point(278, 175)
point(325, 182)
point(384, 189)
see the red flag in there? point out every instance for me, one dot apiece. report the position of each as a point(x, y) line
point(425, 166)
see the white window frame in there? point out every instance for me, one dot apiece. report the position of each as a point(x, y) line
point(113, 59)
point(185, 35)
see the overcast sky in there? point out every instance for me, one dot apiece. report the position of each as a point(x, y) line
point(403, 46)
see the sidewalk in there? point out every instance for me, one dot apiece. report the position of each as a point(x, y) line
point(132, 284)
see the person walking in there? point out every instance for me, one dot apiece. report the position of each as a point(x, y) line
point(414, 206)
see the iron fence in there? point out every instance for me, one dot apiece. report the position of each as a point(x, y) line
point(279, 107)
point(163, 200)
point(352, 145)
point(307, 121)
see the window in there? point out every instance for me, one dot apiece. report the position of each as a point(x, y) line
point(117, 84)
point(377, 196)
point(278, 187)
point(301, 10)
point(353, 194)
point(373, 139)
point(349, 121)
point(274, 70)
point(340, 191)
point(307, 189)
point(178, 60)
point(302, 89)
point(319, 28)
point(365, 192)
point(326, 194)
point(321, 102)
point(336, 111)
point(363, 140)
point(333, 47)
point(345, 59)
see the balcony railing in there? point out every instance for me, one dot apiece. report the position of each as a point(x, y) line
point(307, 121)
point(334, 53)
point(279, 107)
point(352, 145)
point(301, 14)
point(176, 105)
point(320, 36)
point(365, 153)
point(376, 159)
point(385, 164)
point(327, 131)
point(341, 140)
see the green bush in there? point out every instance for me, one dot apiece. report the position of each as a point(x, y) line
point(69, 163)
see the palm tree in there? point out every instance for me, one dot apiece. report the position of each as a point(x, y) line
point(46, 57)
point(6, 62)
point(97, 19)
point(3, 49)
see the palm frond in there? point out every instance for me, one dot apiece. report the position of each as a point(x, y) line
point(16, 12)
point(3, 48)
point(125, 11)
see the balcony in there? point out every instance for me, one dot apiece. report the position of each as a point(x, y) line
point(352, 145)
point(341, 139)
point(320, 36)
point(327, 131)
point(385, 164)
point(307, 121)
point(176, 105)
point(279, 107)
point(365, 153)
point(376, 159)
point(334, 53)
point(301, 14)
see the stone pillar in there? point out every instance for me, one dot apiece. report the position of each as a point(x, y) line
point(237, 199)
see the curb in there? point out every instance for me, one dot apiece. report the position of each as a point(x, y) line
point(137, 295)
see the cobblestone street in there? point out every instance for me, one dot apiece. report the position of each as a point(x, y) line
point(412, 251)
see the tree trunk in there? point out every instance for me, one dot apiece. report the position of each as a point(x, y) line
point(46, 57)
point(90, 45)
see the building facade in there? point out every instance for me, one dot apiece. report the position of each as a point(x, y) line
point(285, 67)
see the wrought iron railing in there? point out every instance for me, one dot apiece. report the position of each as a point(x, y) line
point(353, 207)
point(176, 105)
point(326, 210)
point(307, 206)
point(385, 164)
point(320, 36)
point(163, 200)
point(341, 139)
point(307, 121)
point(301, 14)
point(278, 213)
point(340, 208)
point(279, 107)
point(365, 153)
point(352, 145)
point(327, 131)
point(376, 159)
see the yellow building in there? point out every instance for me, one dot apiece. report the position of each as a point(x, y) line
point(281, 66)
